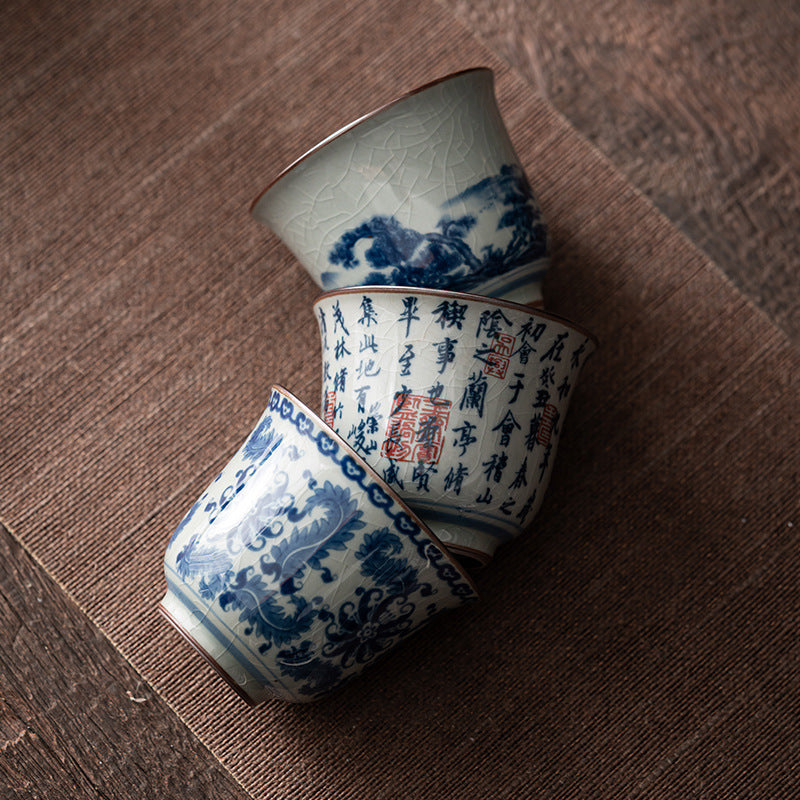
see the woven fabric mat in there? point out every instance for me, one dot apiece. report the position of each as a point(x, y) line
point(641, 641)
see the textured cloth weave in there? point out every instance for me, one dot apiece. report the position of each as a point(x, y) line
point(640, 641)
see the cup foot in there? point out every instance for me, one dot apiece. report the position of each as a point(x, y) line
point(213, 652)
point(464, 536)
point(521, 285)
point(199, 648)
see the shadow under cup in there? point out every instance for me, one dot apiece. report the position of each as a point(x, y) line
point(457, 401)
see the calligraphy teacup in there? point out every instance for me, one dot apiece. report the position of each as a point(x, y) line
point(298, 566)
point(458, 401)
point(426, 191)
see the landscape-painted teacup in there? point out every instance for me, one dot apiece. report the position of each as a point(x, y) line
point(457, 400)
point(298, 566)
point(426, 191)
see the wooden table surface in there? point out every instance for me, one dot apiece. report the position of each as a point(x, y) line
point(696, 103)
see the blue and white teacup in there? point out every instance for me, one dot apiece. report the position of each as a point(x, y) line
point(298, 566)
point(458, 401)
point(426, 191)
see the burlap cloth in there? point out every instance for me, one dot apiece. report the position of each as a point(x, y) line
point(641, 641)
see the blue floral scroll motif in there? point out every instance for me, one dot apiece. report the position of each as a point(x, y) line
point(329, 448)
point(255, 593)
point(267, 596)
point(259, 441)
point(204, 556)
point(311, 545)
point(317, 675)
point(261, 610)
point(194, 559)
point(442, 258)
point(379, 561)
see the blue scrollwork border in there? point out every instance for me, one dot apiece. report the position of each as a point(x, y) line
point(329, 447)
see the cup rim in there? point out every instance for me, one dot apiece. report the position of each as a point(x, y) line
point(465, 551)
point(364, 118)
point(380, 481)
point(534, 311)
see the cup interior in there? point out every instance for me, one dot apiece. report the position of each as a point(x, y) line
point(369, 116)
point(425, 191)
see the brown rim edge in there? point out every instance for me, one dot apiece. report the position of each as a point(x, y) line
point(356, 122)
point(478, 555)
point(469, 554)
point(385, 486)
point(495, 301)
point(206, 657)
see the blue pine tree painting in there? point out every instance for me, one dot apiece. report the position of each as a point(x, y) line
point(442, 258)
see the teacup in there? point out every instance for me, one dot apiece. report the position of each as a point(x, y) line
point(426, 191)
point(298, 566)
point(458, 401)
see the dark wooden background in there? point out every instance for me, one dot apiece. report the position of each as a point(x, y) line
point(696, 103)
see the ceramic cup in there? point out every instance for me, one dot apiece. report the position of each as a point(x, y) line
point(426, 191)
point(457, 400)
point(298, 566)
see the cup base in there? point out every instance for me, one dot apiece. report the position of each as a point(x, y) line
point(522, 285)
point(476, 539)
point(209, 660)
point(214, 653)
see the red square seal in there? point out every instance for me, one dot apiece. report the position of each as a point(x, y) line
point(497, 359)
point(415, 429)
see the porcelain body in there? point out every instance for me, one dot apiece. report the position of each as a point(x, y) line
point(427, 191)
point(458, 402)
point(298, 567)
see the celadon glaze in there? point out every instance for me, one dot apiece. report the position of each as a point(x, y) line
point(457, 401)
point(427, 191)
point(298, 567)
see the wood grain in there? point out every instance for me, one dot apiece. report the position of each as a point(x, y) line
point(76, 720)
point(698, 104)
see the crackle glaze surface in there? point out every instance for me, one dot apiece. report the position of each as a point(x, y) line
point(426, 192)
point(296, 568)
point(457, 401)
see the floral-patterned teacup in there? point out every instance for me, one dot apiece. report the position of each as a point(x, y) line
point(426, 191)
point(458, 401)
point(298, 566)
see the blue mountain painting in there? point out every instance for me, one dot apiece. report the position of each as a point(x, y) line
point(442, 258)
